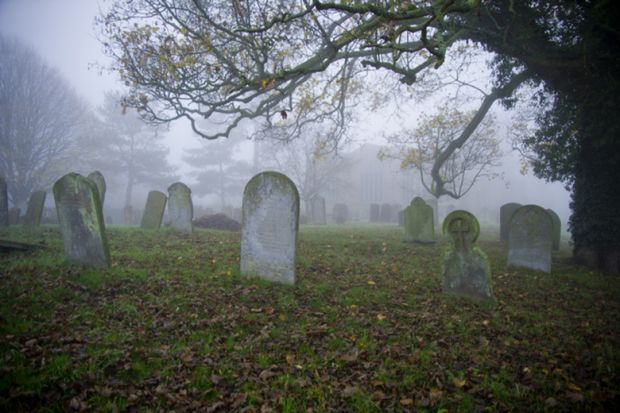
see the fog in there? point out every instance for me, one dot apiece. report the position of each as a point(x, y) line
point(62, 33)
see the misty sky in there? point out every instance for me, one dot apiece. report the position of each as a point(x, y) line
point(62, 32)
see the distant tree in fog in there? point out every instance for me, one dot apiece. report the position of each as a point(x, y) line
point(434, 145)
point(217, 171)
point(40, 121)
point(126, 148)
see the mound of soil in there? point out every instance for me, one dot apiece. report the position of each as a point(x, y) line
point(217, 221)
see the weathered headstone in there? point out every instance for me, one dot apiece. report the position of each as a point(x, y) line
point(340, 213)
point(128, 215)
point(385, 215)
point(317, 210)
point(34, 211)
point(14, 214)
point(4, 204)
point(154, 210)
point(180, 207)
point(419, 225)
point(81, 220)
point(375, 210)
point(505, 213)
point(557, 229)
point(99, 180)
point(465, 268)
point(269, 228)
point(530, 239)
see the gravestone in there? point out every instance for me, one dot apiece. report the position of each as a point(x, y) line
point(128, 215)
point(317, 210)
point(99, 180)
point(154, 210)
point(419, 225)
point(557, 229)
point(81, 220)
point(269, 227)
point(386, 213)
point(340, 213)
point(505, 213)
point(180, 208)
point(34, 211)
point(374, 212)
point(4, 204)
point(530, 239)
point(465, 270)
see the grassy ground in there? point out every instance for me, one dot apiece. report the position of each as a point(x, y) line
point(172, 326)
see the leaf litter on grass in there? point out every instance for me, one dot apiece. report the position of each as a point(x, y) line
point(171, 326)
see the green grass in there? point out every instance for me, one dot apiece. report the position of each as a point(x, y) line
point(172, 326)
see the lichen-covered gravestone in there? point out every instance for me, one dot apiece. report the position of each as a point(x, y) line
point(340, 213)
point(317, 210)
point(180, 207)
point(419, 225)
point(269, 227)
point(529, 238)
point(81, 220)
point(505, 213)
point(4, 204)
point(34, 211)
point(465, 268)
point(557, 229)
point(99, 180)
point(154, 210)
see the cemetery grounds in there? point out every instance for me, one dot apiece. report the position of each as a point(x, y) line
point(171, 326)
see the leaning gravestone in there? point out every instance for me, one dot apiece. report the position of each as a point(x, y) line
point(529, 238)
point(81, 220)
point(154, 210)
point(99, 180)
point(34, 211)
point(340, 213)
point(557, 229)
point(374, 212)
point(419, 222)
point(505, 213)
point(4, 204)
point(317, 210)
point(465, 268)
point(180, 207)
point(269, 230)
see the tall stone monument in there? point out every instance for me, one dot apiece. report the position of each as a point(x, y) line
point(180, 207)
point(419, 225)
point(4, 204)
point(34, 211)
point(530, 239)
point(154, 210)
point(557, 229)
point(99, 180)
point(269, 227)
point(505, 213)
point(465, 268)
point(81, 220)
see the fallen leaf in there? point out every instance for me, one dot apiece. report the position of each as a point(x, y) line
point(267, 374)
point(349, 391)
point(380, 317)
point(435, 393)
point(290, 358)
point(458, 383)
point(371, 282)
point(406, 402)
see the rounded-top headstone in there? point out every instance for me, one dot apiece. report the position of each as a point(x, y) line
point(180, 207)
point(419, 226)
point(530, 239)
point(463, 228)
point(270, 220)
point(81, 220)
